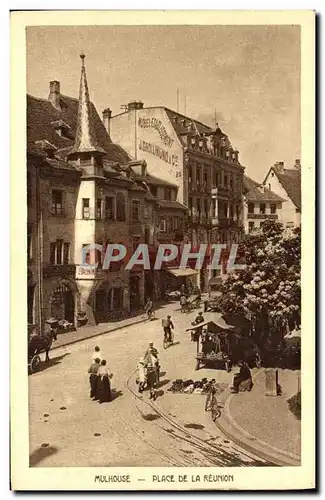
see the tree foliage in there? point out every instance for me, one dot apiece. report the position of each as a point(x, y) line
point(267, 291)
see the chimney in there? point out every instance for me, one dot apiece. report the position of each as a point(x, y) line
point(54, 96)
point(134, 105)
point(107, 115)
point(297, 164)
point(279, 166)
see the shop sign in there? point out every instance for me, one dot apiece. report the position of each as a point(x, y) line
point(83, 272)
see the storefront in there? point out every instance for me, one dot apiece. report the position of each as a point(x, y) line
point(62, 303)
point(109, 302)
point(174, 278)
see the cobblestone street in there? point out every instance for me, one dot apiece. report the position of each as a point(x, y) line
point(67, 428)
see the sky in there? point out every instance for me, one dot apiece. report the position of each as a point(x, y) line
point(246, 76)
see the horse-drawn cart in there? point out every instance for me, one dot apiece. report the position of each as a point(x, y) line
point(38, 344)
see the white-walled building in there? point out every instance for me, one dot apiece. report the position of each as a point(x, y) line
point(260, 204)
point(286, 182)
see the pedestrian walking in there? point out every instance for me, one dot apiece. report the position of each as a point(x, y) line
point(149, 308)
point(92, 370)
point(141, 374)
point(199, 319)
point(183, 303)
point(103, 393)
point(97, 354)
point(151, 359)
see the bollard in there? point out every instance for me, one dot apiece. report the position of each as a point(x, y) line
point(271, 382)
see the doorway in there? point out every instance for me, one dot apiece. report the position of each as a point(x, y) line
point(69, 306)
point(103, 304)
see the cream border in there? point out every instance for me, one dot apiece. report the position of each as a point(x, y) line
point(25, 478)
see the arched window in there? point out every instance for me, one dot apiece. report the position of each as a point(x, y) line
point(120, 206)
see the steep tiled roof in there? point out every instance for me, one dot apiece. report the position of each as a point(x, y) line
point(181, 123)
point(171, 204)
point(254, 193)
point(41, 113)
point(290, 180)
point(155, 181)
point(55, 163)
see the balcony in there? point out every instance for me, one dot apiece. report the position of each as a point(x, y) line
point(262, 216)
point(199, 219)
point(169, 236)
point(224, 191)
point(59, 270)
point(225, 222)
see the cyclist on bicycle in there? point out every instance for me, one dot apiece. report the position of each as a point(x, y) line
point(168, 327)
point(149, 308)
point(211, 402)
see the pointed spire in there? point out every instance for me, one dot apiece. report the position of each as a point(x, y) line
point(85, 140)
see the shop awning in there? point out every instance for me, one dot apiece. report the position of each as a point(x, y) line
point(178, 273)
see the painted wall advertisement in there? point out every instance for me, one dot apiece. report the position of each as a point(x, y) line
point(157, 138)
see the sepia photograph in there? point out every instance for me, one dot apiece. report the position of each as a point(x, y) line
point(163, 193)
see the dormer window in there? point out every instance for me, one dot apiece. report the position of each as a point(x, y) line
point(47, 147)
point(62, 129)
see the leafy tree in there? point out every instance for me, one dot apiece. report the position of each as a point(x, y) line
point(267, 291)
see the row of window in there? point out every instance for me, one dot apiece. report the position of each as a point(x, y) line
point(170, 224)
point(226, 210)
point(110, 208)
point(262, 207)
point(218, 180)
point(198, 205)
point(201, 205)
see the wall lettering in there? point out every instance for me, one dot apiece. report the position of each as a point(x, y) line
point(159, 126)
point(162, 154)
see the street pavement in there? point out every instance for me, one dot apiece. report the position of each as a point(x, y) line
point(67, 428)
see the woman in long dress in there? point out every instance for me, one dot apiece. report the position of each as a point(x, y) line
point(141, 374)
point(104, 394)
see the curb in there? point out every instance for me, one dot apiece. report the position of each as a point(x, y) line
point(96, 335)
point(264, 450)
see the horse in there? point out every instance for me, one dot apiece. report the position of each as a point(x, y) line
point(40, 343)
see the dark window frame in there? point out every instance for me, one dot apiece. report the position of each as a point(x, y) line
point(86, 208)
point(57, 204)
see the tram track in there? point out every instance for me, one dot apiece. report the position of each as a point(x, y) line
point(209, 454)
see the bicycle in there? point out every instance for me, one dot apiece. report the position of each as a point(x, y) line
point(168, 338)
point(211, 404)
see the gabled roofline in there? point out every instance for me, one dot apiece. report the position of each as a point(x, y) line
point(276, 173)
point(168, 109)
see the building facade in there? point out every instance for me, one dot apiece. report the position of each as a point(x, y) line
point(199, 159)
point(286, 182)
point(260, 203)
point(83, 189)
